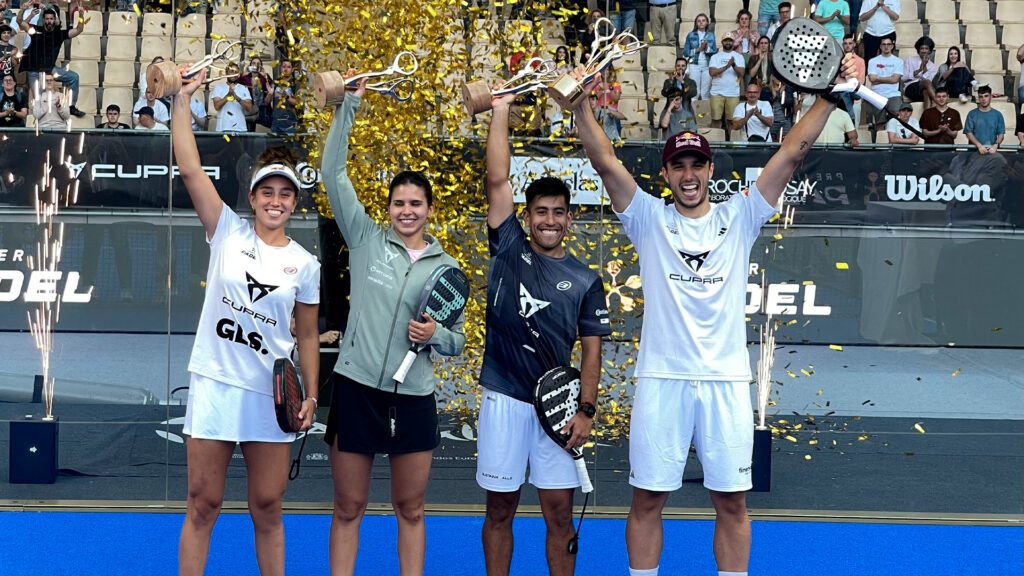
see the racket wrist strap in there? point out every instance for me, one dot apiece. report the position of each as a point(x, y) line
point(313, 398)
point(833, 97)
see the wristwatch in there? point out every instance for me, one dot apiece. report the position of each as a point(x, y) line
point(588, 409)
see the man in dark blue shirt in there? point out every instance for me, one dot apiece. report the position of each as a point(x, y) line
point(539, 301)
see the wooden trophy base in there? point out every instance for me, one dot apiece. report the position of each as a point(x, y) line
point(163, 79)
point(476, 96)
point(328, 88)
point(566, 91)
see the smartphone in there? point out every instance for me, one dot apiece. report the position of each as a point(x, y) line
point(36, 6)
point(252, 68)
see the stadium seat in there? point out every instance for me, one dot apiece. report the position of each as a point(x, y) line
point(483, 31)
point(1013, 35)
point(123, 97)
point(882, 137)
point(986, 60)
point(93, 24)
point(226, 25)
point(552, 32)
point(702, 109)
point(714, 134)
point(153, 46)
point(863, 136)
point(192, 25)
point(655, 80)
point(975, 11)
point(189, 49)
point(908, 11)
point(121, 48)
point(516, 31)
point(85, 122)
point(119, 73)
point(87, 101)
point(661, 58)
point(635, 110)
point(230, 7)
point(628, 62)
point(122, 24)
point(85, 47)
point(994, 81)
point(1010, 12)
point(632, 83)
point(88, 72)
point(725, 15)
point(688, 12)
point(1009, 111)
point(157, 24)
point(980, 34)
point(944, 32)
point(635, 132)
point(940, 11)
point(908, 32)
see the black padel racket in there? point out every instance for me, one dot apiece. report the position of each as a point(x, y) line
point(808, 58)
point(444, 298)
point(556, 397)
point(288, 396)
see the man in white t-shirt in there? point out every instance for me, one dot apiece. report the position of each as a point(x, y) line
point(898, 133)
point(146, 121)
point(198, 110)
point(884, 72)
point(158, 108)
point(878, 17)
point(726, 70)
point(694, 369)
point(754, 117)
point(232, 101)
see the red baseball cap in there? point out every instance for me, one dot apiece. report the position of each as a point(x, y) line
point(683, 143)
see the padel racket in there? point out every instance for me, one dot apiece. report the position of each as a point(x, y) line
point(444, 298)
point(808, 58)
point(288, 397)
point(556, 397)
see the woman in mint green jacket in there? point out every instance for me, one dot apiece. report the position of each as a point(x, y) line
point(369, 415)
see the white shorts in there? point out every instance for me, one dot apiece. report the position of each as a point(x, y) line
point(668, 414)
point(219, 411)
point(508, 437)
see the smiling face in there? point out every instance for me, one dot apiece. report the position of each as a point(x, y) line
point(924, 51)
point(680, 66)
point(753, 93)
point(953, 55)
point(409, 211)
point(687, 178)
point(562, 55)
point(548, 219)
point(273, 200)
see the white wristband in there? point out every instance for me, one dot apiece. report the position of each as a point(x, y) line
point(313, 398)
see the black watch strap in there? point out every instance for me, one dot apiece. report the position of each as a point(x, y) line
point(588, 409)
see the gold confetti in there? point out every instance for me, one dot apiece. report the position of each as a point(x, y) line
point(791, 439)
point(957, 373)
point(918, 427)
point(842, 266)
point(227, 138)
point(835, 347)
point(807, 456)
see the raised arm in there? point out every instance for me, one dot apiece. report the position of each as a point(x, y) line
point(499, 191)
point(617, 180)
point(23, 22)
point(74, 9)
point(200, 188)
point(348, 211)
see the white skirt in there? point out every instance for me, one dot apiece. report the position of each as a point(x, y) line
point(219, 411)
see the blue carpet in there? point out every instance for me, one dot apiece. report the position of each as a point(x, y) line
point(84, 544)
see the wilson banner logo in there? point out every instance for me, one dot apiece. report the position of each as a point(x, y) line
point(904, 188)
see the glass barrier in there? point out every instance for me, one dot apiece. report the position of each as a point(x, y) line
point(889, 287)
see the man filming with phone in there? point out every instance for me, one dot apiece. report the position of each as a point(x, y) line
point(47, 43)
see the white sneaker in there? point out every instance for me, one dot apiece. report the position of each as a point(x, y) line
point(964, 98)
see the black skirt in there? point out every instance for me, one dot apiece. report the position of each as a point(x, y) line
point(366, 420)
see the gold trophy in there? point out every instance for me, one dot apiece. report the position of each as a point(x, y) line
point(536, 74)
point(329, 87)
point(166, 78)
point(606, 48)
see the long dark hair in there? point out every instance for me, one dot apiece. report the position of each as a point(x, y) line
point(414, 178)
point(959, 54)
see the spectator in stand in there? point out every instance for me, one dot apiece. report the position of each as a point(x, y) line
point(767, 14)
point(940, 123)
point(879, 17)
point(834, 15)
point(898, 133)
point(745, 37)
point(884, 72)
point(985, 127)
point(918, 72)
point(1020, 130)
point(587, 38)
point(785, 13)
point(726, 70)
point(284, 118)
point(855, 7)
point(758, 69)
point(113, 122)
point(47, 44)
point(678, 91)
point(260, 87)
point(698, 47)
point(7, 50)
point(51, 108)
point(853, 103)
point(561, 121)
point(157, 108)
point(232, 101)
point(663, 22)
point(1020, 77)
point(839, 129)
point(754, 116)
point(955, 76)
point(7, 16)
point(13, 107)
point(609, 92)
point(148, 122)
point(625, 17)
point(782, 110)
point(198, 111)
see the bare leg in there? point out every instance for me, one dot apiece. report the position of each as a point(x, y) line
point(351, 473)
point(556, 505)
point(409, 475)
point(207, 470)
point(643, 529)
point(497, 531)
point(266, 465)
point(732, 531)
